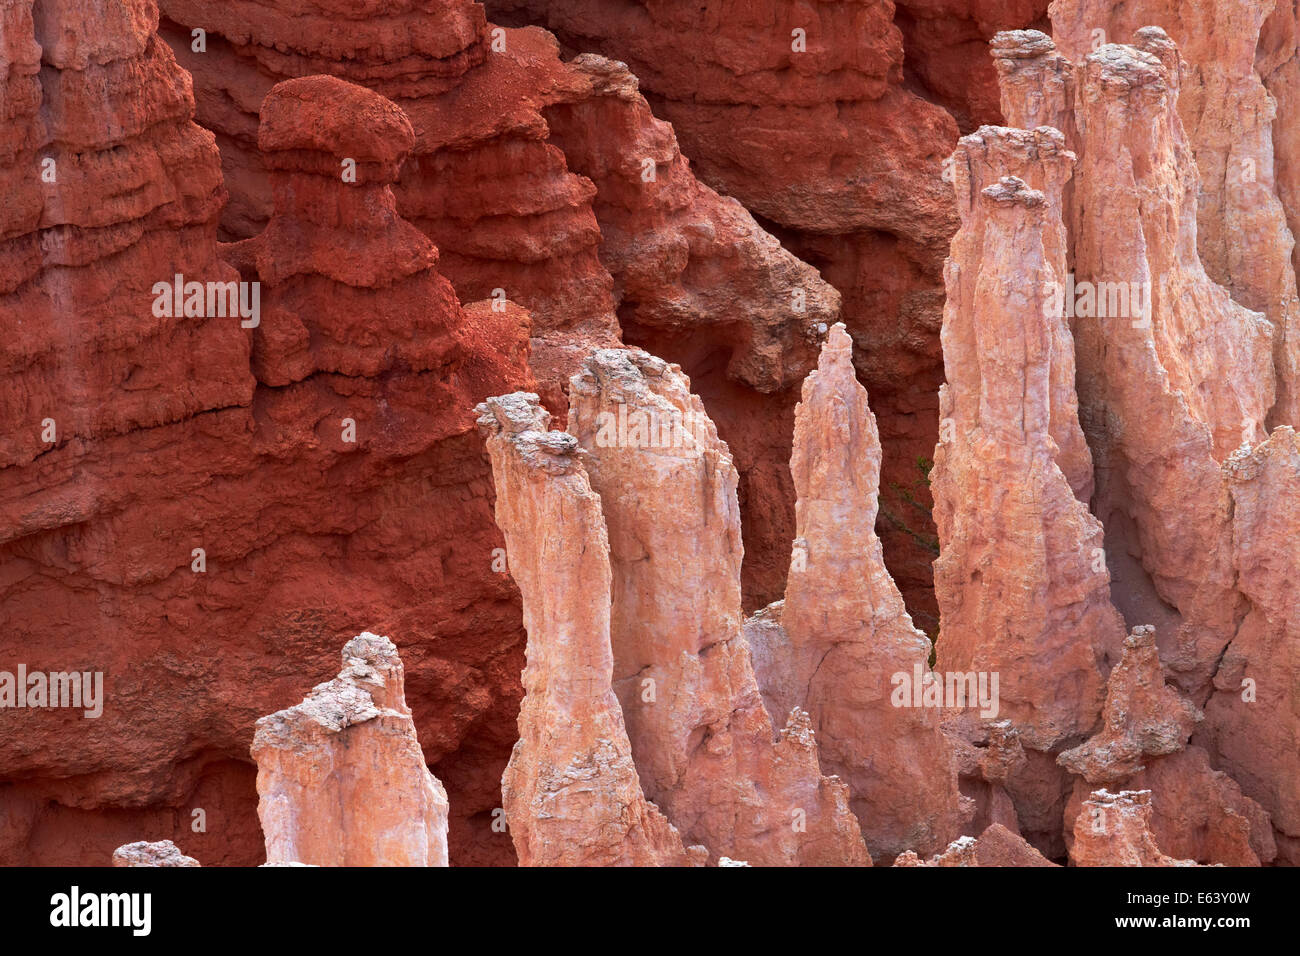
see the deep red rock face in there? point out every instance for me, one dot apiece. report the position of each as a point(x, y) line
point(946, 46)
point(323, 461)
point(530, 175)
point(509, 218)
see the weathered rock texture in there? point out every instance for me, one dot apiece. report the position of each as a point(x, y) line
point(99, 205)
point(203, 510)
point(701, 738)
point(483, 183)
point(829, 139)
point(1175, 396)
point(1114, 829)
point(1196, 812)
point(571, 792)
point(1143, 717)
point(1021, 581)
point(1277, 61)
point(1252, 719)
point(996, 846)
point(625, 538)
point(200, 434)
point(1242, 234)
point(837, 642)
point(341, 777)
point(162, 853)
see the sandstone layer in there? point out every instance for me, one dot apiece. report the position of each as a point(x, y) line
point(511, 221)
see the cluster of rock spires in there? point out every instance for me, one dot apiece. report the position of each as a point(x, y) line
point(1022, 581)
point(452, 224)
point(1177, 398)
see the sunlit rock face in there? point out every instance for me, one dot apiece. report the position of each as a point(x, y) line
point(703, 743)
point(830, 122)
point(624, 537)
point(1178, 396)
point(1238, 137)
point(1021, 580)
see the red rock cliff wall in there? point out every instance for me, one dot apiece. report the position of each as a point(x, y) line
point(191, 433)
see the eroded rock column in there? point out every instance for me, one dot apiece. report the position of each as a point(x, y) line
point(340, 776)
point(701, 738)
point(838, 644)
point(1114, 829)
point(1177, 381)
point(1242, 234)
point(1196, 813)
point(571, 792)
point(1021, 580)
point(1167, 395)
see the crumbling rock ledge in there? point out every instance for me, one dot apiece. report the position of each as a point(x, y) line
point(996, 846)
